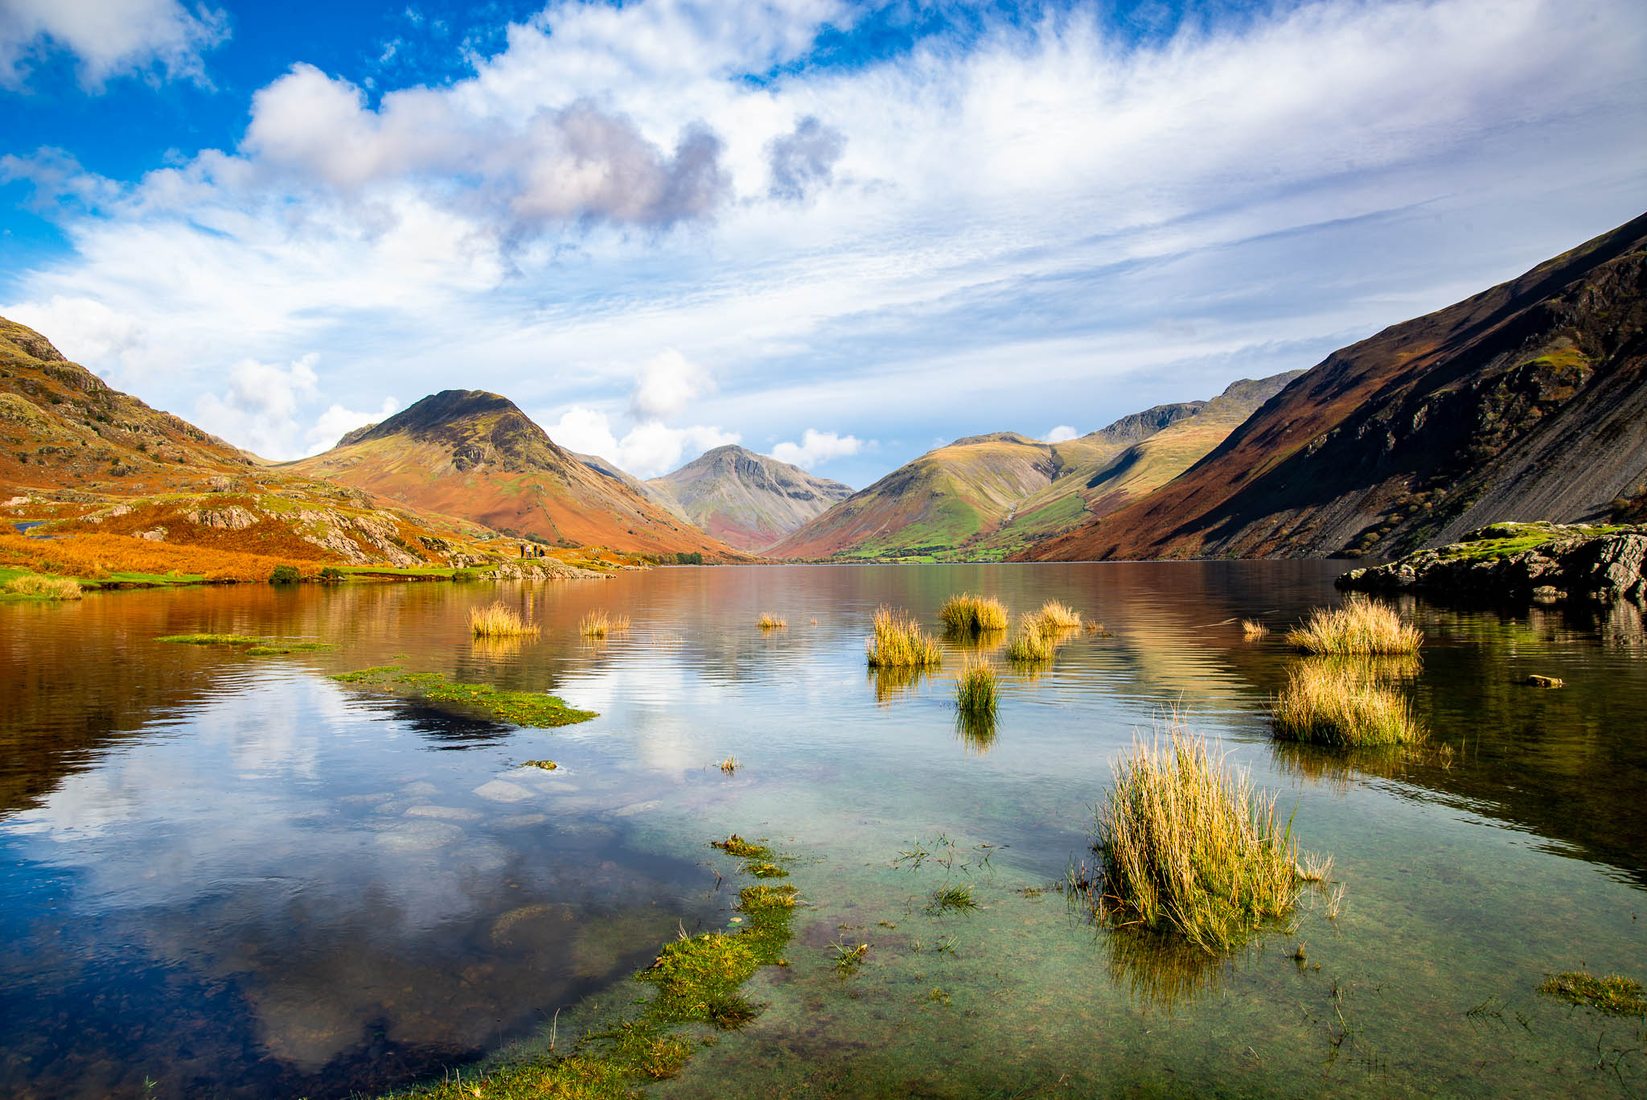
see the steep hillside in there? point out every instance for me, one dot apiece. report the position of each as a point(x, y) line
point(986, 496)
point(474, 454)
point(78, 458)
point(1110, 480)
point(1525, 402)
point(745, 499)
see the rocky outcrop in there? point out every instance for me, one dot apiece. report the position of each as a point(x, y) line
point(1543, 563)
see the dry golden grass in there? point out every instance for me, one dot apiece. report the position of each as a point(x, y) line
point(51, 588)
point(1058, 616)
point(1344, 706)
point(1360, 626)
point(1251, 628)
point(1032, 642)
point(97, 556)
point(499, 621)
point(976, 692)
point(600, 623)
point(899, 643)
point(971, 615)
point(768, 621)
point(1187, 846)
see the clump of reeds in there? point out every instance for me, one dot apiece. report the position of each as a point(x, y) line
point(768, 621)
point(1187, 846)
point(1342, 706)
point(51, 588)
point(600, 623)
point(975, 689)
point(1252, 628)
point(1611, 993)
point(499, 621)
point(729, 765)
point(1360, 626)
point(1032, 642)
point(1058, 616)
point(899, 643)
point(970, 615)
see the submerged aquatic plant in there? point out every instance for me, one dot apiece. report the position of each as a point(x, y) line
point(499, 621)
point(1187, 846)
point(44, 587)
point(1360, 626)
point(600, 623)
point(768, 621)
point(953, 898)
point(899, 643)
point(1344, 706)
point(970, 615)
point(1610, 993)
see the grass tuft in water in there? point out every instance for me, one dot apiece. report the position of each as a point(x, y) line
point(969, 616)
point(1360, 626)
point(729, 765)
point(600, 623)
point(976, 691)
point(951, 899)
point(1031, 643)
point(1611, 993)
point(736, 845)
point(1058, 616)
point(765, 870)
point(1342, 706)
point(523, 708)
point(499, 621)
point(1185, 845)
point(545, 765)
point(40, 587)
point(1252, 628)
point(899, 643)
point(848, 957)
point(768, 621)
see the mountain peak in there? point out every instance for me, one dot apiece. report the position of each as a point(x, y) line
point(436, 413)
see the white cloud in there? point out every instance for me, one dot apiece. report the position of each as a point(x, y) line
point(338, 421)
point(646, 450)
point(667, 384)
point(1061, 433)
point(1042, 199)
point(816, 448)
point(258, 410)
point(109, 37)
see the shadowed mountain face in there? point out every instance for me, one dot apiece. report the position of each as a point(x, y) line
point(79, 457)
point(474, 454)
point(985, 496)
point(1525, 402)
point(745, 499)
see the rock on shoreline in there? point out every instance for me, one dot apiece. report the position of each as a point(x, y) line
point(1534, 562)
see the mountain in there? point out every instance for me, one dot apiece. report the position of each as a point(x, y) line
point(474, 454)
point(1527, 401)
point(745, 499)
point(1110, 479)
point(79, 458)
point(985, 496)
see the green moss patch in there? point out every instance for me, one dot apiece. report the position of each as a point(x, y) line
point(1611, 993)
point(254, 647)
point(697, 980)
point(213, 639)
point(523, 708)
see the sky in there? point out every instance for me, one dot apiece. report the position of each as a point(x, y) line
point(838, 233)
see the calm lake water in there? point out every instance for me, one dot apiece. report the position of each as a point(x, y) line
point(232, 876)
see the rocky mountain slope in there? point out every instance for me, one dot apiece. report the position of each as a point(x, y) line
point(78, 457)
point(747, 500)
point(473, 454)
point(986, 496)
point(1525, 402)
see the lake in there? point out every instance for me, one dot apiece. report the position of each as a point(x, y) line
point(229, 875)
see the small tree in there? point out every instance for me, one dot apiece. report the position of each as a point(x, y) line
point(285, 574)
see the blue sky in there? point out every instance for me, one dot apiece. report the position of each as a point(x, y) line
point(836, 232)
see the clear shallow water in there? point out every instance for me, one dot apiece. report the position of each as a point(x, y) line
point(232, 876)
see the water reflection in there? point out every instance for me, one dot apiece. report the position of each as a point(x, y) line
point(1163, 972)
